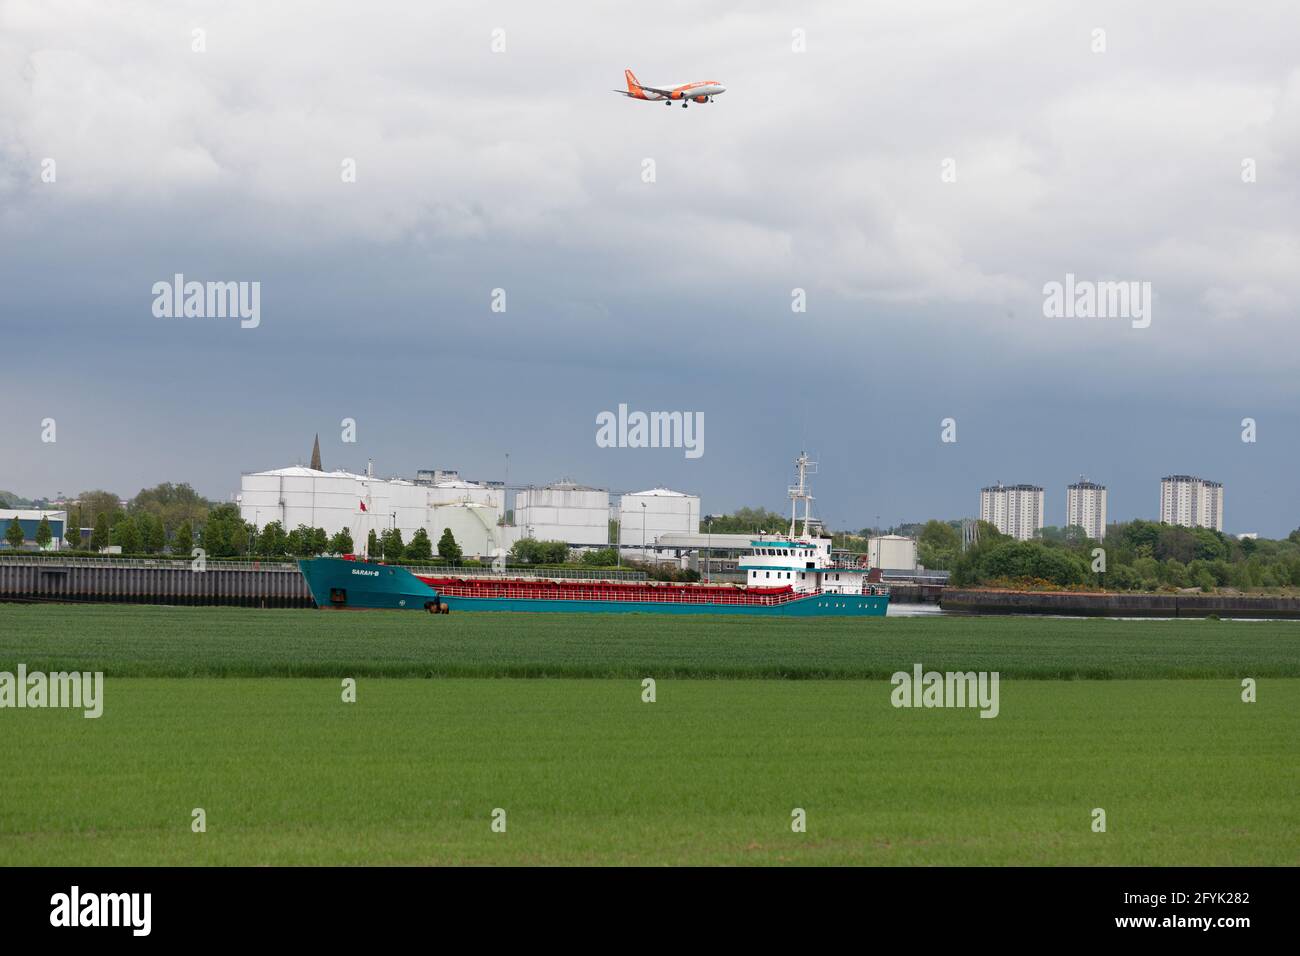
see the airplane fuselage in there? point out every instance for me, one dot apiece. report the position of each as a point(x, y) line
point(702, 91)
point(687, 91)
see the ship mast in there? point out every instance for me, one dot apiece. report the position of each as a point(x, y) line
point(799, 492)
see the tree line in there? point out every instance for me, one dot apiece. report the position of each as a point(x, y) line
point(1135, 556)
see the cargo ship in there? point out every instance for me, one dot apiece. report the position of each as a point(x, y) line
point(794, 574)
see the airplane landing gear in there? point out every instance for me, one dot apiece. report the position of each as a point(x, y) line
point(684, 105)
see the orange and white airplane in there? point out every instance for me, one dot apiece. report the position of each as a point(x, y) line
point(702, 92)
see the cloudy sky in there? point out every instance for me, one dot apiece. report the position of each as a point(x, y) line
point(821, 169)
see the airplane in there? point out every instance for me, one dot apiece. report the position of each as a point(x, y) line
point(702, 92)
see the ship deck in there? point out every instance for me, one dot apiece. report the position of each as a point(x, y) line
point(661, 593)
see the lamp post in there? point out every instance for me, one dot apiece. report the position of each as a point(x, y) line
point(644, 556)
point(708, 551)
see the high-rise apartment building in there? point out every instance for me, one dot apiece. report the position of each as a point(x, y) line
point(1191, 502)
point(1016, 510)
point(1085, 506)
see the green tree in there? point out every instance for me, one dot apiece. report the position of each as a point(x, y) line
point(14, 534)
point(272, 542)
point(126, 535)
point(171, 504)
point(225, 533)
point(1148, 571)
point(341, 543)
point(1028, 559)
point(72, 529)
point(298, 541)
point(744, 521)
point(99, 538)
point(44, 534)
point(153, 537)
point(372, 544)
point(98, 502)
point(524, 551)
point(447, 546)
point(940, 536)
point(320, 541)
point(532, 551)
point(553, 552)
point(938, 545)
point(183, 539)
point(1139, 534)
point(420, 548)
point(390, 544)
point(1121, 577)
point(1173, 573)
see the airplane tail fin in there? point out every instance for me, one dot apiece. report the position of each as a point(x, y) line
point(633, 84)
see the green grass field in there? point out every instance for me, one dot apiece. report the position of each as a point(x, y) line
point(239, 712)
point(138, 641)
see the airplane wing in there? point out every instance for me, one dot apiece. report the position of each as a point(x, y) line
point(667, 93)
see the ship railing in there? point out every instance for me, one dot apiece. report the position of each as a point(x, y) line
point(522, 574)
point(655, 596)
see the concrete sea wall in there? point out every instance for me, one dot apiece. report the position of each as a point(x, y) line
point(247, 584)
point(1118, 605)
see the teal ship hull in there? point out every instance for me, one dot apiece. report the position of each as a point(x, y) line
point(339, 583)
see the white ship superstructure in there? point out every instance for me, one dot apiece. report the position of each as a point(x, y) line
point(801, 561)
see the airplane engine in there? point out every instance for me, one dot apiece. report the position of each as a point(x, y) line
point(700, 99)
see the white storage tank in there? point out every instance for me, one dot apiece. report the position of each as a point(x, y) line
point(564, 511)
point(474, 526)
point(297, 495)
point(892, 552)
point(361, 504)
point(458, 490)
point(656, 512)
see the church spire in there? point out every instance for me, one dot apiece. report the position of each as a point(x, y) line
point(315, 454)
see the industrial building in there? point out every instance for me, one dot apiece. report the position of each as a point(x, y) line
point(1016, 510)
point(1085, 506)
point(29, 520)
point(564, 511)
point(1191, 502)
point(645, 516)
point(336, 500)
point(892, 552)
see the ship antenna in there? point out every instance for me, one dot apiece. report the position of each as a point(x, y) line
point(800, 493)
